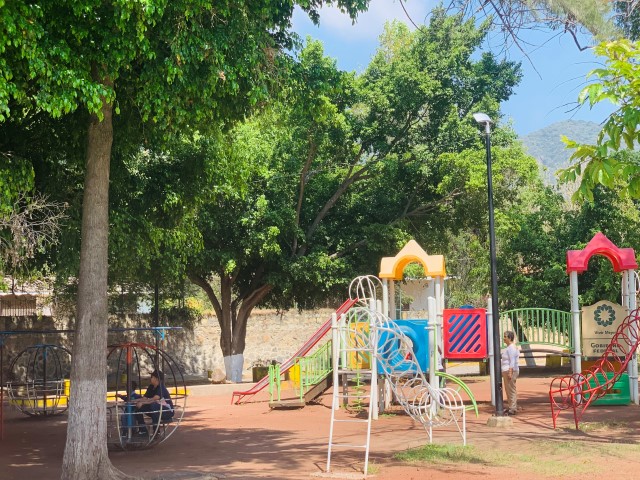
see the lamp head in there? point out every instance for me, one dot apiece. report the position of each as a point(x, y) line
point(483, 119)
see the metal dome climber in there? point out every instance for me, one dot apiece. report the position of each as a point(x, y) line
point(40, 384)
point(130, 365)
point(364, 289)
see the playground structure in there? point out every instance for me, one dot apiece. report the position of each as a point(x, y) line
point(39, 382)
point(546, 326)
point(367, 346)
point(309, 373)
point(582, 388)
point(276, 371)
point(129, 366)
point(462, 334)
point(385, 350)
point(391, 271)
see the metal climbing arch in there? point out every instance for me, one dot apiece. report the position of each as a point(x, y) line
point(365, 333)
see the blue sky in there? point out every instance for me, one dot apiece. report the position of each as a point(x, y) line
point(549, 87)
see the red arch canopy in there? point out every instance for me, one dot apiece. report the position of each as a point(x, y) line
point(621, 258)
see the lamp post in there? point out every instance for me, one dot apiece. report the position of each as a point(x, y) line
point(484, 120)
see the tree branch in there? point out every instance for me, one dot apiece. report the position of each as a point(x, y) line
point(208, 289)
point(258, 275)
point(362, 174)
point(253, 299)
point(33, 223)
point(313, 148)
point(418, 211)
point(572, 32)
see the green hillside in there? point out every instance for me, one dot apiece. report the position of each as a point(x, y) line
point(545, 144)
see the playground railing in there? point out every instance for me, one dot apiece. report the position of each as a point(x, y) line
point(39, 397)
point(305, 373)
point(544, 326)
point(315, 368)
point(274, 382)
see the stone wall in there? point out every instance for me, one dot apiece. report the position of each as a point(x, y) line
point(270, 336)
point(22, 344)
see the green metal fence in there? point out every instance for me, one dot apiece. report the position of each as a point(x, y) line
point(541, 326)
point(312, 368)
point(315, 368)
point(275, 384)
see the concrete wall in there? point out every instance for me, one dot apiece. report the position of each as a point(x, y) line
point(270, 336)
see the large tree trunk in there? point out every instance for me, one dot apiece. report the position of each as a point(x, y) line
point(233, 316)
point(85, 453)
point(240, 311)
point(233, 362)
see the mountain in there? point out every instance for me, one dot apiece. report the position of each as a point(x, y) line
point(546, 146)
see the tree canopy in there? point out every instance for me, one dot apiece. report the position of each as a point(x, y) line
point(344, 169)
point(158, 67)
point(512, 17)
point(612, 161)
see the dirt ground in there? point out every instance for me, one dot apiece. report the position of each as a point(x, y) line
point(251, 441)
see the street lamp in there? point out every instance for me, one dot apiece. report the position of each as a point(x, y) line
point(483, 119)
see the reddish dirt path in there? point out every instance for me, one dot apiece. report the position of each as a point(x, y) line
point(250, 441)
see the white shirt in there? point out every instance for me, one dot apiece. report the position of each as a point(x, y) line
point(509, 358)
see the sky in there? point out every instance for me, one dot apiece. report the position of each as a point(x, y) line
point(553, 75)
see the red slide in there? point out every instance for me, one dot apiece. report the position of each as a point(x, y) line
point(579, 390)
point(321, 332)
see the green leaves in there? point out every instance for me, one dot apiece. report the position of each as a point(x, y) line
point(610, 162)
point(16, 179)
point(344, 168)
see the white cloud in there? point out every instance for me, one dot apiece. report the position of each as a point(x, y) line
point(369, 24)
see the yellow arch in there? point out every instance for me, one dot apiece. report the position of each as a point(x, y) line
point(412, 252)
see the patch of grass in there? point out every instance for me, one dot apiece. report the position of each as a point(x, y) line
point(440, 454)
point(550, 447)
point(603, 426)
point(557, 468)
point(594, 427)
point(546, 458)
point(373, 469)
point(388, 415)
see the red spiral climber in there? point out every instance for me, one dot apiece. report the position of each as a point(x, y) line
point(579, 390)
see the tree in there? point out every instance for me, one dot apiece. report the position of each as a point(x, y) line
point(167, 65)
point(155, 196)
point(16, 179)
point(29, 222)
point(628, 18)
point(344, 171)
point(618, 218)
point(30, 227)
point(513, 16)
point(612, 161)
point(535, 227)
point(518, 197)
point(533, 263)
